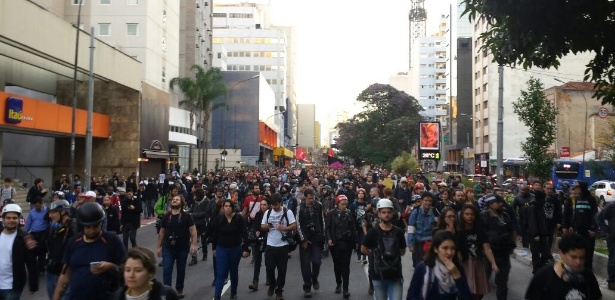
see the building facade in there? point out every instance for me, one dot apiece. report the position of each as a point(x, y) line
point(306, 132)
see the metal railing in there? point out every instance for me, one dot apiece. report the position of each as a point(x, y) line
point(19, 170)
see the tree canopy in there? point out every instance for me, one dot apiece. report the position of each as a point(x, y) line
point(387, 126)
point(539, 33)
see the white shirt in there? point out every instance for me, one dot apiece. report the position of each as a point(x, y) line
point(6, 257)
point(7, 193)
point(274, 237)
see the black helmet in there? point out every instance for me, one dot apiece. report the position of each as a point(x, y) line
point(90, 214)
point(7, 201)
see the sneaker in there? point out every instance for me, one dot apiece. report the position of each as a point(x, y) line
point(270, 291)
point(180, 294)
point(370, 290)
point(279, 297)
point(307, 294)
point(611, 286)
point(316, 285)
point(346, 295)
point(338, 288)
point(193, 262)
point(233, 296)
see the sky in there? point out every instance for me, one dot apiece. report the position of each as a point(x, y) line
point(343, 46)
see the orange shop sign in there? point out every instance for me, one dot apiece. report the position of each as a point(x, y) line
point(29, 113)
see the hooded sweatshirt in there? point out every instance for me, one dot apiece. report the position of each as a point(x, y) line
point(582, 212)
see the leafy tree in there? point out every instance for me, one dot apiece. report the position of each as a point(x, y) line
point(538, 33)
point(385, 128)
point(538, 114)
point(403, 163)
point(607, 141)
point(199, 93)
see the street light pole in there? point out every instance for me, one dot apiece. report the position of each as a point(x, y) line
point(74, 109)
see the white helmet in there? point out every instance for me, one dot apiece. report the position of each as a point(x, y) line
point(384, 203)
point(11, 208)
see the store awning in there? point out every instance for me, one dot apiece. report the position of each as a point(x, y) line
point(281, 151)
point(156, 154)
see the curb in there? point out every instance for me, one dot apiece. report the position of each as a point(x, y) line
point(599, 263)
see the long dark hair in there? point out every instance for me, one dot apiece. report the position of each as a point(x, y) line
point(441, 224)
point(438, 238)
point(461, 224)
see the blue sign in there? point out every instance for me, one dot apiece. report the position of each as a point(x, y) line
point(14, 110)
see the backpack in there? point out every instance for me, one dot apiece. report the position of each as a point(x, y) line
point(387, 259)
point(12, 189)
point(293, 239)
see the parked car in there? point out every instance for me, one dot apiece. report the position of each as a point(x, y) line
point(605, 190)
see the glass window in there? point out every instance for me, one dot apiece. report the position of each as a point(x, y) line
point(132, 2)
point(132, 29)
point(104, 29)
point(105, 2)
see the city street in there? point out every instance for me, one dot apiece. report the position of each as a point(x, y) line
point(199, 278)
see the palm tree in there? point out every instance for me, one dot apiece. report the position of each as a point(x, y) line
point(199, 93)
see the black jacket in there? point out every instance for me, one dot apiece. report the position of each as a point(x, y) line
point(23, 259)
point(311, 223)
point(131, 216)
point(537, 220)
point(158, 292)
point(341, 227)
point(113, 218)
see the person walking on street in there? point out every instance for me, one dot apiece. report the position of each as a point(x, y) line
point(440, 276)
point(474, 248)
point(279, 222)
point(131, 218)
point(177, 237)
point(385, 244)
point(311, 228)
point(229, 242)
point(420, 228)
point(580, 217)
point(568, 278)
point(17, 259)
point(37, 226)
point(538, 231)
point(139, 274)
point(496, 224)
point(92, 259)
point(520, 206)
point(60, 232)
point(606, 222)
point(201, 213)
point(258, 238)
point(341, 237)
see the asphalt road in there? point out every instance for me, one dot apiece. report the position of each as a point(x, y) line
point(199, 278)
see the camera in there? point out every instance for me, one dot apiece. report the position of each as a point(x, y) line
point(172, 241)
point(311, 228)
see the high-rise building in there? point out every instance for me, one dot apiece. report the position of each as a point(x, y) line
point(306, 135)
point(433, 79)
point(485, 99)
point(149, 31)
point(241, 38)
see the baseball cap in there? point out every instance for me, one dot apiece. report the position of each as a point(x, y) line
point(403, 179)
point(90, 194)
point(121, 189)
point(442, 184)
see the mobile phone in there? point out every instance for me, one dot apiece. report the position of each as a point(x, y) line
point(270, 225)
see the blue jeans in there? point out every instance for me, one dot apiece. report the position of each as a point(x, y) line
point(9, 295)
point(169, 257)
point(390, 289)
point(227, 260)
point(51, 281)
point(610, 266)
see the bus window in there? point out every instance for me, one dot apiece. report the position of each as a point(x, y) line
point(567, 170)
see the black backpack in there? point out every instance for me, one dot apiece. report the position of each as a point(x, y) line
point(387, 258)
point(292, 237)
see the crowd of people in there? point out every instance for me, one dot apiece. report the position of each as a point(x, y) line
point(458, 236)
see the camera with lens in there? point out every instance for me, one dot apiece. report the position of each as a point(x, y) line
point(253, 239)
point(172, 240)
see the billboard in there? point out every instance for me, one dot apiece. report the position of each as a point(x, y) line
point(429, 140)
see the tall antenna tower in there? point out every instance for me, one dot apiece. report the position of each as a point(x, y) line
point(417, 18)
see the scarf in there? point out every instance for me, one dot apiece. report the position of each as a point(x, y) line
point(446, 282)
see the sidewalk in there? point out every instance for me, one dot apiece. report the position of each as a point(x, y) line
point(598, 263)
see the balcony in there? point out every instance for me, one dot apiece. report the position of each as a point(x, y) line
point(440, 91)
point(441, 102)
